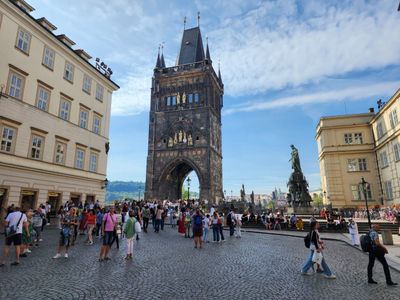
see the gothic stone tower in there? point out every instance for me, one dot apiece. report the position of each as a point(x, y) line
point(185, 124)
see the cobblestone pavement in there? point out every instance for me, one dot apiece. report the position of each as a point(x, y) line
point(166, 266)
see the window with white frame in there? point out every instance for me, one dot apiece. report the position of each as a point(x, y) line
point(8, 139)
point(48, 57)
point(69, 72)
point(96, 124)
point(60, 152)
point(16, 85)
point(352, 165)
point(23, 40)
point(355, 192)
point(358, 138)
point(99, 92)
point(37, 147)
point(379, 130)
point(362, 164)
point(87, 84)
point(43, 98)
point(393, 118)
point(80, 158)
point(83, 118)
point(388, 189)
point(348, 138)
point(396, 150)
point(384, 159)
point(94, 157)
point(65, 108)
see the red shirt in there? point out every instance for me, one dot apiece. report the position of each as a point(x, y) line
point(91, 219)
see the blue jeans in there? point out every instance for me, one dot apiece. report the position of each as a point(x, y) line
point(231, 229)
point(157, 225)
point(308, 264)
point(215, 232)
point(205, 235)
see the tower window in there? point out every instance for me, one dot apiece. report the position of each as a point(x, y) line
point(190, 98)
point(197, 138)
point(196, 98)
point(173, 100)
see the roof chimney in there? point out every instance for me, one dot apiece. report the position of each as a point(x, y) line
point(24, 5)
point(371, 110)
point(46, 24)
point(83, 54)
point(66, 40)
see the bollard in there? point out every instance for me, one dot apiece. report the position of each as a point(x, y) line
point(387, 237)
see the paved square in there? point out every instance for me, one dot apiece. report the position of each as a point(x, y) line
point(166, 266)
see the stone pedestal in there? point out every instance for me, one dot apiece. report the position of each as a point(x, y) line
point(308, 210)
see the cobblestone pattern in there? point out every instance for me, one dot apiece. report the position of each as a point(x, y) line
point(166, 266)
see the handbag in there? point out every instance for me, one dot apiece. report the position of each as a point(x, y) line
point(317, 257)
point(12, 230)
point(138, 228)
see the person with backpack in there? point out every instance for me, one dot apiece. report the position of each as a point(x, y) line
point(314, 243)
point(129, 232)
point(14, 223)
point(378, 251)
point(198, 228)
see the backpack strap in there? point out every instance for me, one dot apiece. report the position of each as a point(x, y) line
point(20, 219)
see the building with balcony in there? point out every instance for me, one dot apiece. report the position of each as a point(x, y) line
point(54, 114)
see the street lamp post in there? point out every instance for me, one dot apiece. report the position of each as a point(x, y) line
point(364, 185)
point(188, 182)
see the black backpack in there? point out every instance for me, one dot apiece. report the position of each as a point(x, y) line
point(307, 240)
point(366, 242)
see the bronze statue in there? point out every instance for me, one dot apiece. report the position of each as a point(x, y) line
point(295, 159)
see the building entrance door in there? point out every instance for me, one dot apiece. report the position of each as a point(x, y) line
point(3, 209)
point(54, 199)
point(28, 200)
point(76, 199)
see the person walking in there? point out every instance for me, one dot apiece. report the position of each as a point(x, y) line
point(99, 221)
point(158, 214)
point(37, 221)
point(188, 223)
point(215, 228)
point(68, 223)
point(14, 223)
point(108, 227)
point(378, 251)
point(91, 223)
point(221, 222)
point(316, 245)
point(198, 228)
point(206, 228)
point(353, 230)
point(129, 232)
point(238, 224)
point(230, 222)
point(146, 217)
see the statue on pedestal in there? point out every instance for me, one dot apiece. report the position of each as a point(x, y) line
point(298, 195)
point(242, 194)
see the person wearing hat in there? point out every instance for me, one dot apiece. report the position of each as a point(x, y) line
point(353, 230)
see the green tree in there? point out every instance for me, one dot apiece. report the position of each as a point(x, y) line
point(317, 200)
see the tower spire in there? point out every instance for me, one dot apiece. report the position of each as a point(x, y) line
point(158, 62)
point(162, 61)
point(198, 19)
point(219, 71)
point(208, 57)
point(184, 23)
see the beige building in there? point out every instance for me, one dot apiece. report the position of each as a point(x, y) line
point(362, 145)
point(54, 114)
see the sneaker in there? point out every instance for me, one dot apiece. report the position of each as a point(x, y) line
point(66, 255)
point(28, 251)
point(306, 273)
point(330, 276)
point(15, 263)
point(58, 255)
point(40, 240)
point(391, 283)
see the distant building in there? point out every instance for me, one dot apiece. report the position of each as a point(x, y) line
point(362, 145)
point(54, 114)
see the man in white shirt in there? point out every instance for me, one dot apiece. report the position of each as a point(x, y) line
point(16, 220)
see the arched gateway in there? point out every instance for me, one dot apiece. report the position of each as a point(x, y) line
point(185, 124)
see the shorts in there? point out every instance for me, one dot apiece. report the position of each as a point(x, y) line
point(64, 239)
point(108, 237)
point(15, 239)
point(197, 230)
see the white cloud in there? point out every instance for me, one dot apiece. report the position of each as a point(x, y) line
point(265, 50)
point(359, 92)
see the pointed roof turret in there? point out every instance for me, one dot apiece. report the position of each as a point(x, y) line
point(191, 50)
point(158, 62)
point(219, 72)
point(208, 57)
point(162, 61)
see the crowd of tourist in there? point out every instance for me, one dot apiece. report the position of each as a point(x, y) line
point(121, 221)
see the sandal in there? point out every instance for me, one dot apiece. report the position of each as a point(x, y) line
point(15, 263)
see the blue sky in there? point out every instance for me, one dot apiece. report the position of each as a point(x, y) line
point(284, 65)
